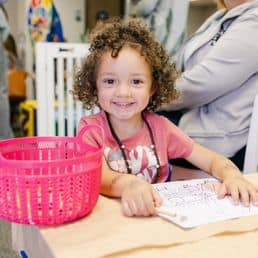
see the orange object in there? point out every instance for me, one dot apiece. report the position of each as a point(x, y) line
point(17, 84)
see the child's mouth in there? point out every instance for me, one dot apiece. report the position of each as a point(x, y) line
point(123, 105)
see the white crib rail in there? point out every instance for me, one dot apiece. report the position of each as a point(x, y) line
point(56, 63)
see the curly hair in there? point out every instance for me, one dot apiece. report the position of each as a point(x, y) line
point(114, 35)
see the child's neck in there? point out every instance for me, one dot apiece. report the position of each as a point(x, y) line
point(126, 128)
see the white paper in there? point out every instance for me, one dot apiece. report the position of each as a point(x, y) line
point(195, 203)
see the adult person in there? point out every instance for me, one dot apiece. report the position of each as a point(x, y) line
point(5, 128)
point(219, 79)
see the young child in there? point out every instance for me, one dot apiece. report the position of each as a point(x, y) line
point(128, 75)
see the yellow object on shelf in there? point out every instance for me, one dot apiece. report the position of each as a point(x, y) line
point(28, 117)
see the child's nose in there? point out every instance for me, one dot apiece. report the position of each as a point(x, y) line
point(124, 90)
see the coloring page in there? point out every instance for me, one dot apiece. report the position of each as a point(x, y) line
point(195, 202)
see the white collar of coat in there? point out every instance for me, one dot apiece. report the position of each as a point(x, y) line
point(223, 15)
point(220, 15)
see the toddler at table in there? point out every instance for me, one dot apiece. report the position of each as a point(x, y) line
point(128, 74)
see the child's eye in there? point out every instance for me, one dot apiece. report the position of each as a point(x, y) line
point(109, 81)
point(136, 82)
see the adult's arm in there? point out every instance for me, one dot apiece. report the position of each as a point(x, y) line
point(230, 62)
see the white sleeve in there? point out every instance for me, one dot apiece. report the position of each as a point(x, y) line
point(231, 61)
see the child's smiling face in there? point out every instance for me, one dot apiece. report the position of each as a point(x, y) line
point(124, 84)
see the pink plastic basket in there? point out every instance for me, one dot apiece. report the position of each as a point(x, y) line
point(49, 180)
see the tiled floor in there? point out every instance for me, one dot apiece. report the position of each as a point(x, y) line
point(5, 241)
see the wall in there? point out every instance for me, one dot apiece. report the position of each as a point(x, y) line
point(67, 10)
point(12, 12)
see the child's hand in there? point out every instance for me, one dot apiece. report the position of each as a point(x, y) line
point(240, 190)
point(139, 198)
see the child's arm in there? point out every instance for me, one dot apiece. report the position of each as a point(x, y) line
point(233, 181)
point(138, 198)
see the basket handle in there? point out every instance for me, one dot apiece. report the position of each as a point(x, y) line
point(3, 160)
point(83, 131)
point(1, 157)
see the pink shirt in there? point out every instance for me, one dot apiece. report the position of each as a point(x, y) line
point(170, 143)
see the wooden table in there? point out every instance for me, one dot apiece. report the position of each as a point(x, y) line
point(107, 233)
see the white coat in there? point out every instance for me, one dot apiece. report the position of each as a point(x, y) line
point(220, 79)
